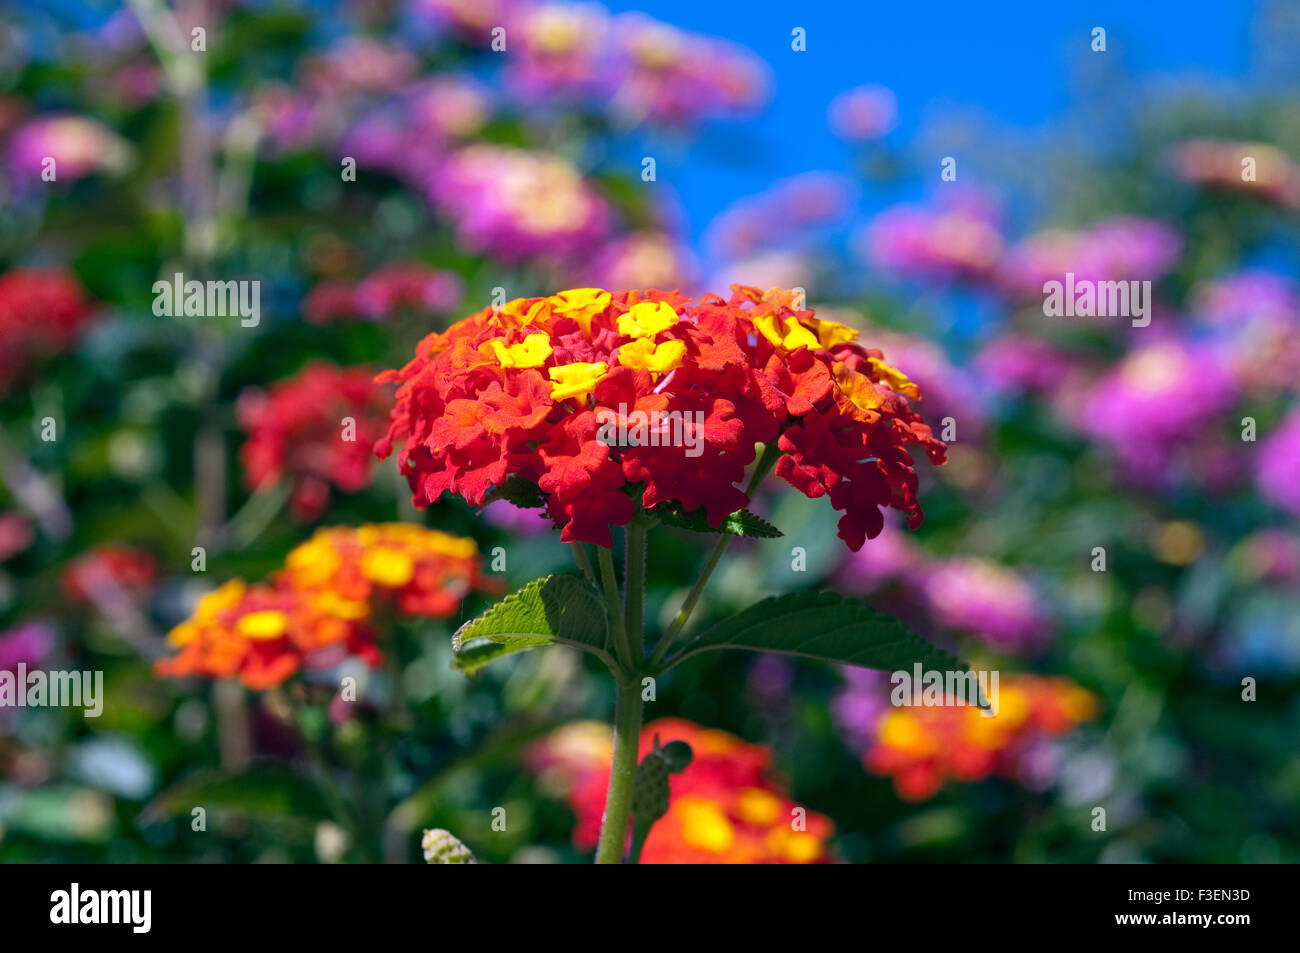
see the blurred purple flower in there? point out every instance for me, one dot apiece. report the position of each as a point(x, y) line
point(78, 145)
point(29, 643)
point(1278, 469)
point(519, 520)
point(1118, 249)
point(989, 600)
point(1018, 363)
point(955, 239)
point(1159, 397)
point(516, 205)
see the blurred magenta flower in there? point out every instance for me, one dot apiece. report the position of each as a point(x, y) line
point(863, 113)
point(518, 520)
point(891, 556)
point(560, 51)
point(79, 146)
point(1278, 470)
point(1255, 317)
point(29, 643)
point(1017, 363)
point(673, 76)
point(515, 204)
point(952, 239)
point(989, 600)
point(1158, 398)
point(1118, 249)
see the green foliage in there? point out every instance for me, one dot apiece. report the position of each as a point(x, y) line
point(740, 523)
point(821, 625)
point(562, 609)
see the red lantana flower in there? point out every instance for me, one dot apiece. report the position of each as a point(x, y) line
point(600, 400)
point(316, 429)
point(42, 312)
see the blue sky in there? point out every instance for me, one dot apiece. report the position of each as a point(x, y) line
point(1011, 59)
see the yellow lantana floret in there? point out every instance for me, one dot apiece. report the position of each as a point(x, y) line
point(645, 319)
point(644, 354)
point(576, 380)
point(581, 304)
point(532, 352)
point(790, 336)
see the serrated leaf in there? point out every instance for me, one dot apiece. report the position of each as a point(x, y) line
point(740, 523)
point(563, 609)
point(822, 625)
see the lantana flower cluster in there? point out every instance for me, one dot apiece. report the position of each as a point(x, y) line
point(315, 429)
point(724, 809)
point(538, 390)
point(319, 608)
point(42, 312)
point(923, 747)
point(110, 566)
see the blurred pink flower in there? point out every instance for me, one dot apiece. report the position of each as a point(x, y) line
point(1158, 398)
point(520, 521)
point(560, 51)
point(1118, 249)
point(1278, 470)
point(953, 239)
point(79, 146)
point(515, 204)
point(1017, 363)
point(16, 534)
point(671, 75)
point(991, 601)
point(29, 643)
point(1255, 317)
point(863, 113)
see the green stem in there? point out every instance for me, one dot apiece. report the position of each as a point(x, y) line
point(622, 776)
point(584, 561)
point(761, 470)
point(615, 610)
point(634, 587)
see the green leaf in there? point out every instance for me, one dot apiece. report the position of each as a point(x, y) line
point(740, 523)
point(518, 491)
point(266, 794)
point(563, 609)
point(822, 625)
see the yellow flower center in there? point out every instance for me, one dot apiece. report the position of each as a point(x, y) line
point(266, 624)
point(387, 567)
point(758, 806)
point(704, 826)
